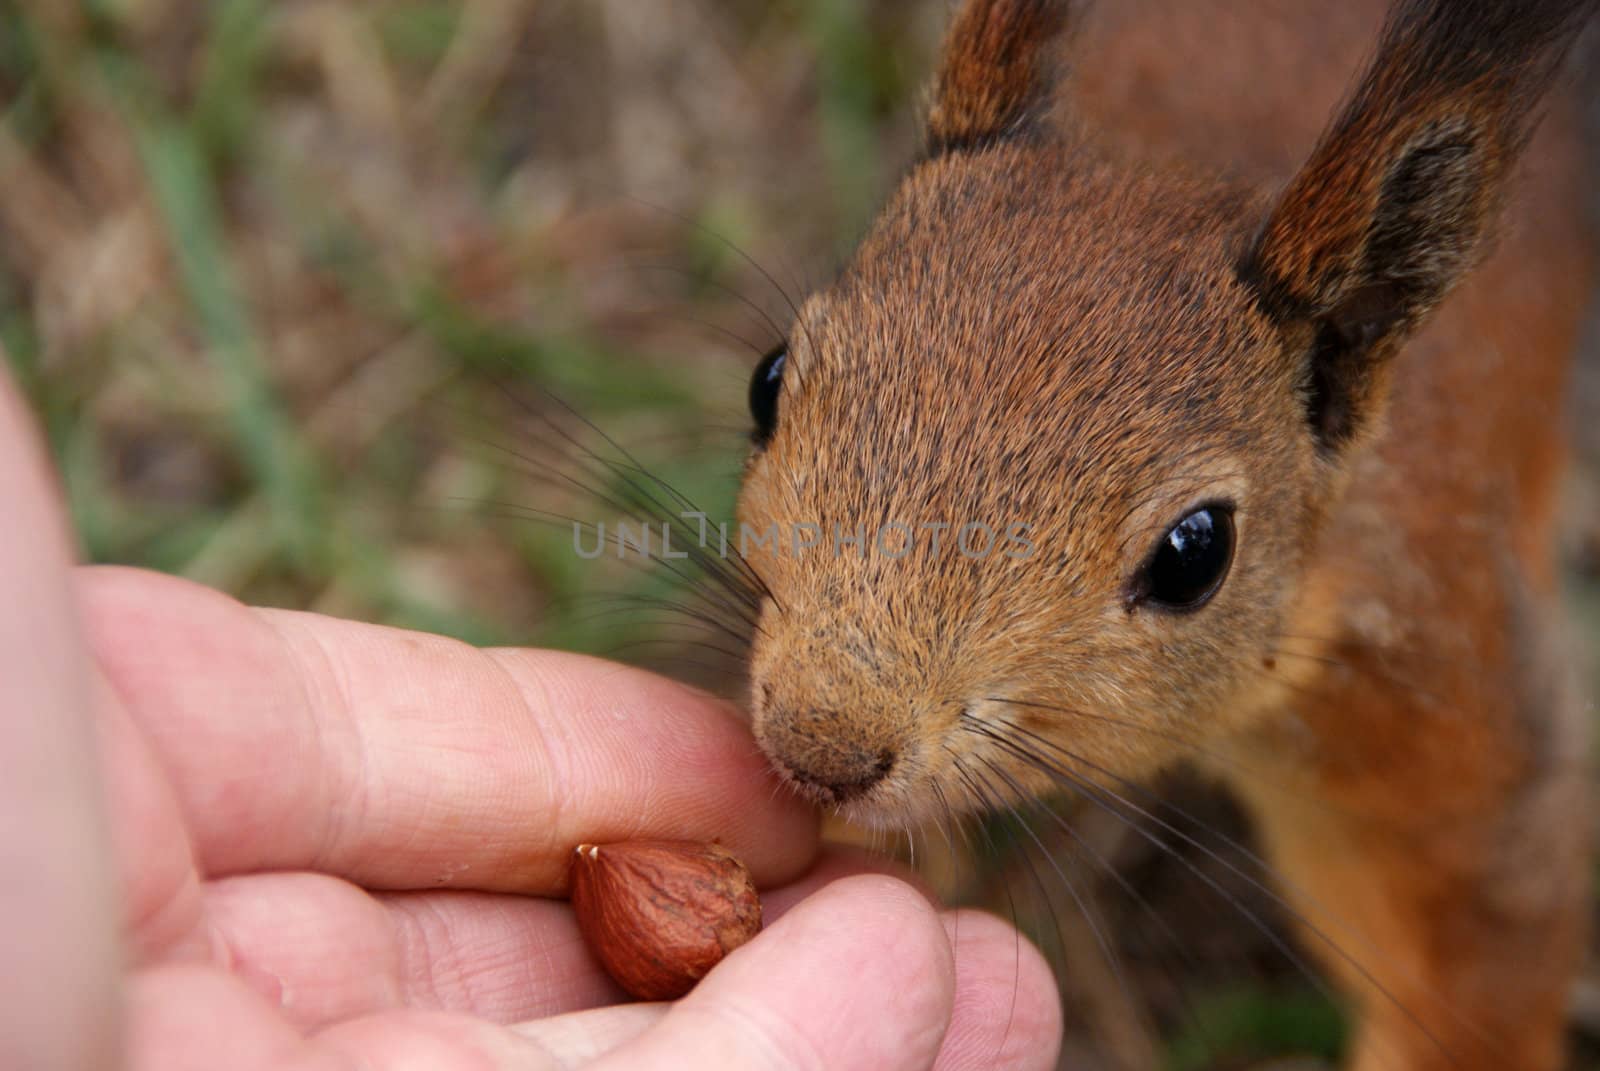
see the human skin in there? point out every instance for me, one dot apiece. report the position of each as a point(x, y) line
point(299, 842)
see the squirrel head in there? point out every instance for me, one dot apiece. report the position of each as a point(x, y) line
point(1041, 474)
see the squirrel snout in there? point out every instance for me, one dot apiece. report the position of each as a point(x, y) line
point(829, 755)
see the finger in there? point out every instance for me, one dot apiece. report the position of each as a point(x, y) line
point(1007, 1014)
point(580, 1038)
point(192, 1018)
point(402, 760)
point(1005, 1017)
point(159, 881)
point(184, 1017)
point(324, 950)
point(1003, 1010)
point(440, 1041)
point(57, 997)
point(858, 976)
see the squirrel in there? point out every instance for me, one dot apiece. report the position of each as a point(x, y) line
point(1163, 304)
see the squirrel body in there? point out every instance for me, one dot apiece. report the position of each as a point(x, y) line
point(1161, 288)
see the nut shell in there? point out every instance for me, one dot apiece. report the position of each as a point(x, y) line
point(659, 914)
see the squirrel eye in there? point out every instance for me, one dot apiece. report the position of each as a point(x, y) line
point(1191, 561)
point(765, 385)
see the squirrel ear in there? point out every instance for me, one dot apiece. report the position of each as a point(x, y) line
point(1399, 197)
point(998, 72)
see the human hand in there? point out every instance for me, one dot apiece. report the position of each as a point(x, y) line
point(277, 839)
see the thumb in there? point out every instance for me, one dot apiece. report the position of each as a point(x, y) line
point(57, 906)
point(859, 975)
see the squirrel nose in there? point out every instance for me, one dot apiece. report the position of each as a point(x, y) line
point(816, 750)
point(843, 776)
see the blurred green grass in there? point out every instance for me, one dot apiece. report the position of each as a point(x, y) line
point(267, 271)
point(435, 187)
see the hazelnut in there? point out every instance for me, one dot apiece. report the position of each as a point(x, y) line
point(659, 914)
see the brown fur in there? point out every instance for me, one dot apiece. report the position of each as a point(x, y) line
point(1093, 333)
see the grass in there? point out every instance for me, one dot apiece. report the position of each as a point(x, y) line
point(170, 152)
point(292, 287)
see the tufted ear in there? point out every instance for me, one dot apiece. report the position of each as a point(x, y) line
point(1400, 196)
point(998, 72)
